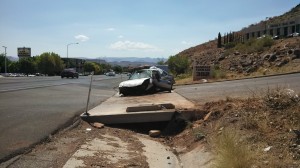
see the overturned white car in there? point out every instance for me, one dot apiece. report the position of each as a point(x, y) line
point(147, 80)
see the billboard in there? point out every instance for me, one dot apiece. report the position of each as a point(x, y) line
point(24, 52)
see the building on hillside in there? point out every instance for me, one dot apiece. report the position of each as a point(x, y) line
point(273, 27)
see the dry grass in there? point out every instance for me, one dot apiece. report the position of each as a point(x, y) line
point(231, 152)
point(243, 128)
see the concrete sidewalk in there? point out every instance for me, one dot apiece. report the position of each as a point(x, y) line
point(115, 109)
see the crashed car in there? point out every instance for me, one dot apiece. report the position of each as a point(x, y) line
point(147, 80)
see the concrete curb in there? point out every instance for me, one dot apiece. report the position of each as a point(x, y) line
point(225, 80)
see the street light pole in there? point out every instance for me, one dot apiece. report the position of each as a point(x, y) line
point(68, 53)
point(5, 59)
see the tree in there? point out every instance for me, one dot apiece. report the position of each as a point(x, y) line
point(161, 62)
point(92, 67)
point(2, 63)
point(118, 69)
point(88, 67)
point(14, 67)
point(27, 66)
point(178, 64)
point(219, 40)
point(106, 67)
point(50, 63)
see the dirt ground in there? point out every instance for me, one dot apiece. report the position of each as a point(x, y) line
point(267, 131)
point(59, 148)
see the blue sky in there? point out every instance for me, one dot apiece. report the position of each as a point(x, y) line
point(125, 28)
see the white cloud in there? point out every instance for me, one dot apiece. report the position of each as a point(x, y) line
point(186, 43)
point(82, 38)
point(120, 36)
point(111, 29)
point(129, 45)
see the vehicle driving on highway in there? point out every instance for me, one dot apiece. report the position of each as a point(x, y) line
point(69, 73)
point(146, 81)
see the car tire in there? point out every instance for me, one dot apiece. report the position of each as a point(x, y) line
point(170, 91)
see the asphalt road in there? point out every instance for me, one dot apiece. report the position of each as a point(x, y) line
point(32, 108)
point(206, 92)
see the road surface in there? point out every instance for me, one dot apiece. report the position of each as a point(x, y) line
point(33, 108)
point(206, 92)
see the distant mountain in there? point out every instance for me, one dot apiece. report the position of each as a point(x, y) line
point(132, 59)
point(14, 59)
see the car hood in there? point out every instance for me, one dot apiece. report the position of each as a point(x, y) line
point(133, 82)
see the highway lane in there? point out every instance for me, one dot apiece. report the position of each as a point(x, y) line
point(206, 92)
point(33, 108)
point(20, 83)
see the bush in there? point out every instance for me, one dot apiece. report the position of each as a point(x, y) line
point(217, 73)
point(250, 46)
point(230, 45)
point(280, 98)
point(231, 153)
point(178, 64)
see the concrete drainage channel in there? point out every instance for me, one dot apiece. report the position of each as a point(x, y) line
point(157, 153)
point(167, 112)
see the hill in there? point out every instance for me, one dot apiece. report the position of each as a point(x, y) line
point(258, 55)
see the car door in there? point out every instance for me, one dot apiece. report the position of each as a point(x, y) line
point(161, 82)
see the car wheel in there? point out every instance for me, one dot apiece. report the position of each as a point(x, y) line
point(171, 89)
point(62, 77)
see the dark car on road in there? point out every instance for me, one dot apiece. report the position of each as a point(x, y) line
point(69, 73)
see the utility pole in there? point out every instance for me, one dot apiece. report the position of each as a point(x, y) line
point(5, 59)
point(68, 53)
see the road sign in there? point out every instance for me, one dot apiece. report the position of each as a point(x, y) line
point(24, 52)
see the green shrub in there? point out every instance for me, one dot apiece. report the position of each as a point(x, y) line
point(229, 45)
point(250, 46)
point(218, 73)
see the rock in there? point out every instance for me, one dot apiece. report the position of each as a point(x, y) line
point(267, 149)
point(244, 56)
point(204, 80)
point(283, 62)
point(297, 53)
point(266, 57)
point(236, 53)
point(154, 133)
point(290, 51)
point(98, 125)
point(250, 69)
point(221, 57)
point(272, 58)
point(265, 71)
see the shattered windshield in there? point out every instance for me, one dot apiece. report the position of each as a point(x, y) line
point(140, 74)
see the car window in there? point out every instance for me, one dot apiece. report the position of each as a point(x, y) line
point(164, 73)
point(140, 74)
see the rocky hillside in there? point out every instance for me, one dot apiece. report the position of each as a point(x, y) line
point(267, 57)
point(282, 56)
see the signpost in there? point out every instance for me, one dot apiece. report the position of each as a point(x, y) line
point(24, 52)
point(201, 72)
